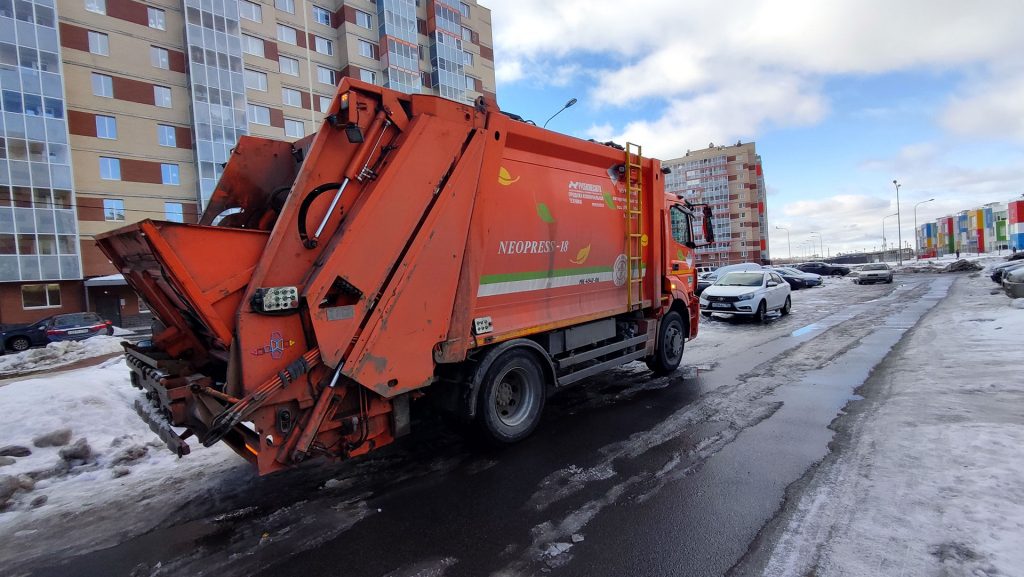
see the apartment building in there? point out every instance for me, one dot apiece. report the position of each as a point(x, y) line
point(731, 180)
point(119, 110)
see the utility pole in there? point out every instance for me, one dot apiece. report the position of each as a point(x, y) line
point(899, 225)
point(789, 247)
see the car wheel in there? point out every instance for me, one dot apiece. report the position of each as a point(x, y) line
point(786, 307)
point(511, 397)
point(19, 344)
point(671, 341)
point(762, 309)
point(889, 281)
point(706, 314)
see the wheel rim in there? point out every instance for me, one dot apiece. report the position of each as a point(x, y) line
point(20, 345)
point(673, 341)
point(513, 398)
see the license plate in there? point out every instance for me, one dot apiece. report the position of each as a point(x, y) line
point(721, 306)
point(78, 331)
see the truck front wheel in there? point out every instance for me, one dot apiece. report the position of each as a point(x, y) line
point(511, 397)
point(669, 351)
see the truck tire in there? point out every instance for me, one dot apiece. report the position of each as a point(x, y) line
point(511, 398)
point(668, 352)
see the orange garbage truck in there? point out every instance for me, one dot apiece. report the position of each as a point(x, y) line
point(412, 250)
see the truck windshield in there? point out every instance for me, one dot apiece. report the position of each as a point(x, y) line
point(742, 279)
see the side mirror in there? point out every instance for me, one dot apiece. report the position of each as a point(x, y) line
point(709, 229)
point(772, 283)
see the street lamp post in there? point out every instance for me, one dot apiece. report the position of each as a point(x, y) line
point(899, 226)
point(789, 247)
point(883, 233)
point(917, 244)
point(821, 244)
point(567, 105)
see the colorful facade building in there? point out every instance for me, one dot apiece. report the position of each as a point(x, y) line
point(994, 227)
point(927, 240)
point(1015, 225)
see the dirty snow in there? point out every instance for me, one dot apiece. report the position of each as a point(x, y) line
point(930, 480)
point(58, 354)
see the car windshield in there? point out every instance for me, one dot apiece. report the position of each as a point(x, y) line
point(742, 279)
point(875, 267)
point(66, 321)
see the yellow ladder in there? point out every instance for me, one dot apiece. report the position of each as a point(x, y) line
point(634, 226)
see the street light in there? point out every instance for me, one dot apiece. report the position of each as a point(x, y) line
point(789, 247)
point(821, 243)
point(883, 232)
point(917, 245)
point(567, 105)
point(899, 226)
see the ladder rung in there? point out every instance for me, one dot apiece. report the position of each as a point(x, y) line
point(635, 258)
point(637, 280)
point(635, 235)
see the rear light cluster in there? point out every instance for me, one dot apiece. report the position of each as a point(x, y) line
point(104, 325)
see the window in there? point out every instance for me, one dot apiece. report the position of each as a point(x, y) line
point(99, 43)
point(286, 34)
point(250, 11)
point(291, 97)
point(102, 85)
point(113, 209)
point(467, 58)
point(110, 169)
point(173, 212)
point(367, 76)
point(364, 19)
point(162, 96)
point(157, 19)
point(169, 174)
point(259, 114)
point(252, 45)
point(158, 57)
point(255, 80)
point(285, 5)
point(97, 6)
point(464, 9)
point(294, 128)
point(143, 305)
point(325, 103)
point(36, 296)
point(467, 34)
point(289, 66)
point(680, 225)
point(106, 127)
point(166, 136)
point(470, 83)
point(325, 75)
point(365, 48)
point(323, 46)
point(321, 15)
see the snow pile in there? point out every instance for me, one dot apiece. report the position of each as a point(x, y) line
point(83, 449)
point(58, 354)
point(928, 479)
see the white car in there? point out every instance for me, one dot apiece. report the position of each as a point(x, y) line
point(874, 272)
point(748, 293)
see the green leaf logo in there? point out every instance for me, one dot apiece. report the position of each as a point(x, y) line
point(544, 213)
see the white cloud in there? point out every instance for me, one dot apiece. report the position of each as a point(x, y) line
point(992, 108)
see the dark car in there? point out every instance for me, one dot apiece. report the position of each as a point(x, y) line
point(1000, 270)
point(66, 327)
point(823, 268)
point(797, 279)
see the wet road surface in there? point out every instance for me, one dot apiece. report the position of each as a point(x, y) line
point(629, 475)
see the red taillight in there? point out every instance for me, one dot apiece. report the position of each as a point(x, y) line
point(98, 327)
point(48, 333)
point(108, 323)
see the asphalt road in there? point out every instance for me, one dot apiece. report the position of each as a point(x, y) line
point(628, 475)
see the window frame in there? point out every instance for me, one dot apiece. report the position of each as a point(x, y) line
point(96, 6)
point(359, 48)
point(369, 19)
point(160, 57)
point(172, 132)
point(113, 164)
point(281, 28)
point(324, 103)
point(105, 81)
point(258, 9)
point(101, 38)
point(373, 75)
point(157, 18)
point(318, 11)
point(156, 100)
point(328, 45)
point(107, 122)
point(251, 116)
point(286, 4)
point(262, 81)
point(170, 174)
point(464, 9)
point(46, 288)
point(287, 90)
point(249, 40)
point(330, 71)
point(280, 68)
point(292, 122)
point(112, 208)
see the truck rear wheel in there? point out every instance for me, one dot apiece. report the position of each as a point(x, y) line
point(668, 353)
point(511, 397)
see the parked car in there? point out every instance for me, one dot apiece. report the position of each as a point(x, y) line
point(65, 327)
point(873, 272)
point(747, 293)
point(1001, 269)
point(708, 279)
point(824, 268)
point(797, 279)
point(1013, 283)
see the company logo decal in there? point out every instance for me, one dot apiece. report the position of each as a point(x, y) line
point(581, 256)
point(275, 348)
point(504, 178)
point(619, 270)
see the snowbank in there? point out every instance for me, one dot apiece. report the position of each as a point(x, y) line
point(928, 480)
point(60, 353)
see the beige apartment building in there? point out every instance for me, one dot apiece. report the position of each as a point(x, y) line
point(731, 180)
point(120, 110)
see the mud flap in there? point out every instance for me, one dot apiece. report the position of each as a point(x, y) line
point(174, 442)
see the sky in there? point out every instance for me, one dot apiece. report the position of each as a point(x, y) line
point(841, 98)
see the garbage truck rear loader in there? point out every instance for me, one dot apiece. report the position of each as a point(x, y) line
point(413, 249)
